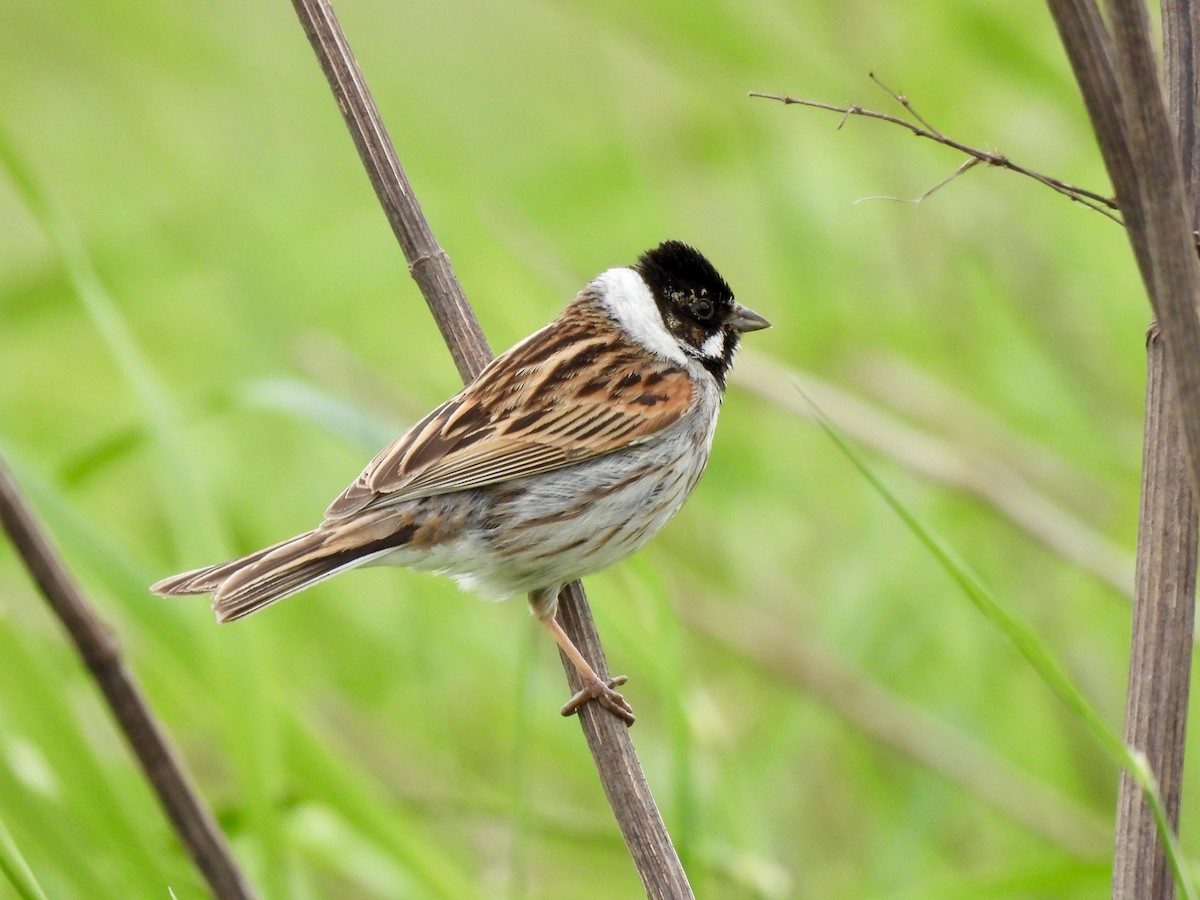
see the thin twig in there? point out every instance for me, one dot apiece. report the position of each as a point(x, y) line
point(100, 652)
point(1106, 206)
point(906, 104)
point(607, 737)
point(965, 167)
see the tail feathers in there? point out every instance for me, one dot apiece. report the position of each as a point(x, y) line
point(290, 568)
point(245, 585)
point(209, 578)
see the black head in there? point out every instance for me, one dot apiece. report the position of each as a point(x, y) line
point(696, 305)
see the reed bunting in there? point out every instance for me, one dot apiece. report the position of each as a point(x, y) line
point(565, 455)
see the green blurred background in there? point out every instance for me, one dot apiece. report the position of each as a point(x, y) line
point(821, 713)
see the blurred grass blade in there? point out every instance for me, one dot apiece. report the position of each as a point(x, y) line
point(1029, 644)
point(356, 799)
point(308, 403)
point(113, 567)
point(93, 460)
point(184, 501)
point(186, 504)
point(289, 396)
point(16, 870)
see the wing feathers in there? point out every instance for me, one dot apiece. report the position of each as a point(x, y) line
point(575, 390)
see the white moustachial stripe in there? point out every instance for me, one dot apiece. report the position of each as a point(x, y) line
point(714, 347)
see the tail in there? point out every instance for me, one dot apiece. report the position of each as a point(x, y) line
point(245, 585)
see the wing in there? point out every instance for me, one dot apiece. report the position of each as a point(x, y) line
point(573, 391)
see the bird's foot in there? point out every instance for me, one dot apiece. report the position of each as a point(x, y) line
point(603, 693)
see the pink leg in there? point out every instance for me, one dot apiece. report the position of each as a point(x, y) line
point(593, 688)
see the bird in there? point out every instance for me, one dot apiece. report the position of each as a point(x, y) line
point(566, 454)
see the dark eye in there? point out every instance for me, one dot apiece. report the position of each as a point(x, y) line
point(702, 309)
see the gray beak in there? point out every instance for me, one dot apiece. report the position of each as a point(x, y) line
point(745, 319)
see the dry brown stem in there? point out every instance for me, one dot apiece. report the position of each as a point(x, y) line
point(101, 654)
point(1161, 642)
point(1113, 61)
point(607, 736)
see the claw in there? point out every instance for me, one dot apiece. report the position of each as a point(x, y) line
point(603, 693)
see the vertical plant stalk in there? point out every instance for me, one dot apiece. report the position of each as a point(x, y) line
point(100, 652)
point(1181, 65)
point(1151, 159)
point(1156, 704)
point(1161, 646)
point(1121, 89)
point(428, 263)
point(607, 737)
point(1152, 196)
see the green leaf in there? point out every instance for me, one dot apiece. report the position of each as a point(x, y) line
point(1028, 642)
point(16, 870)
